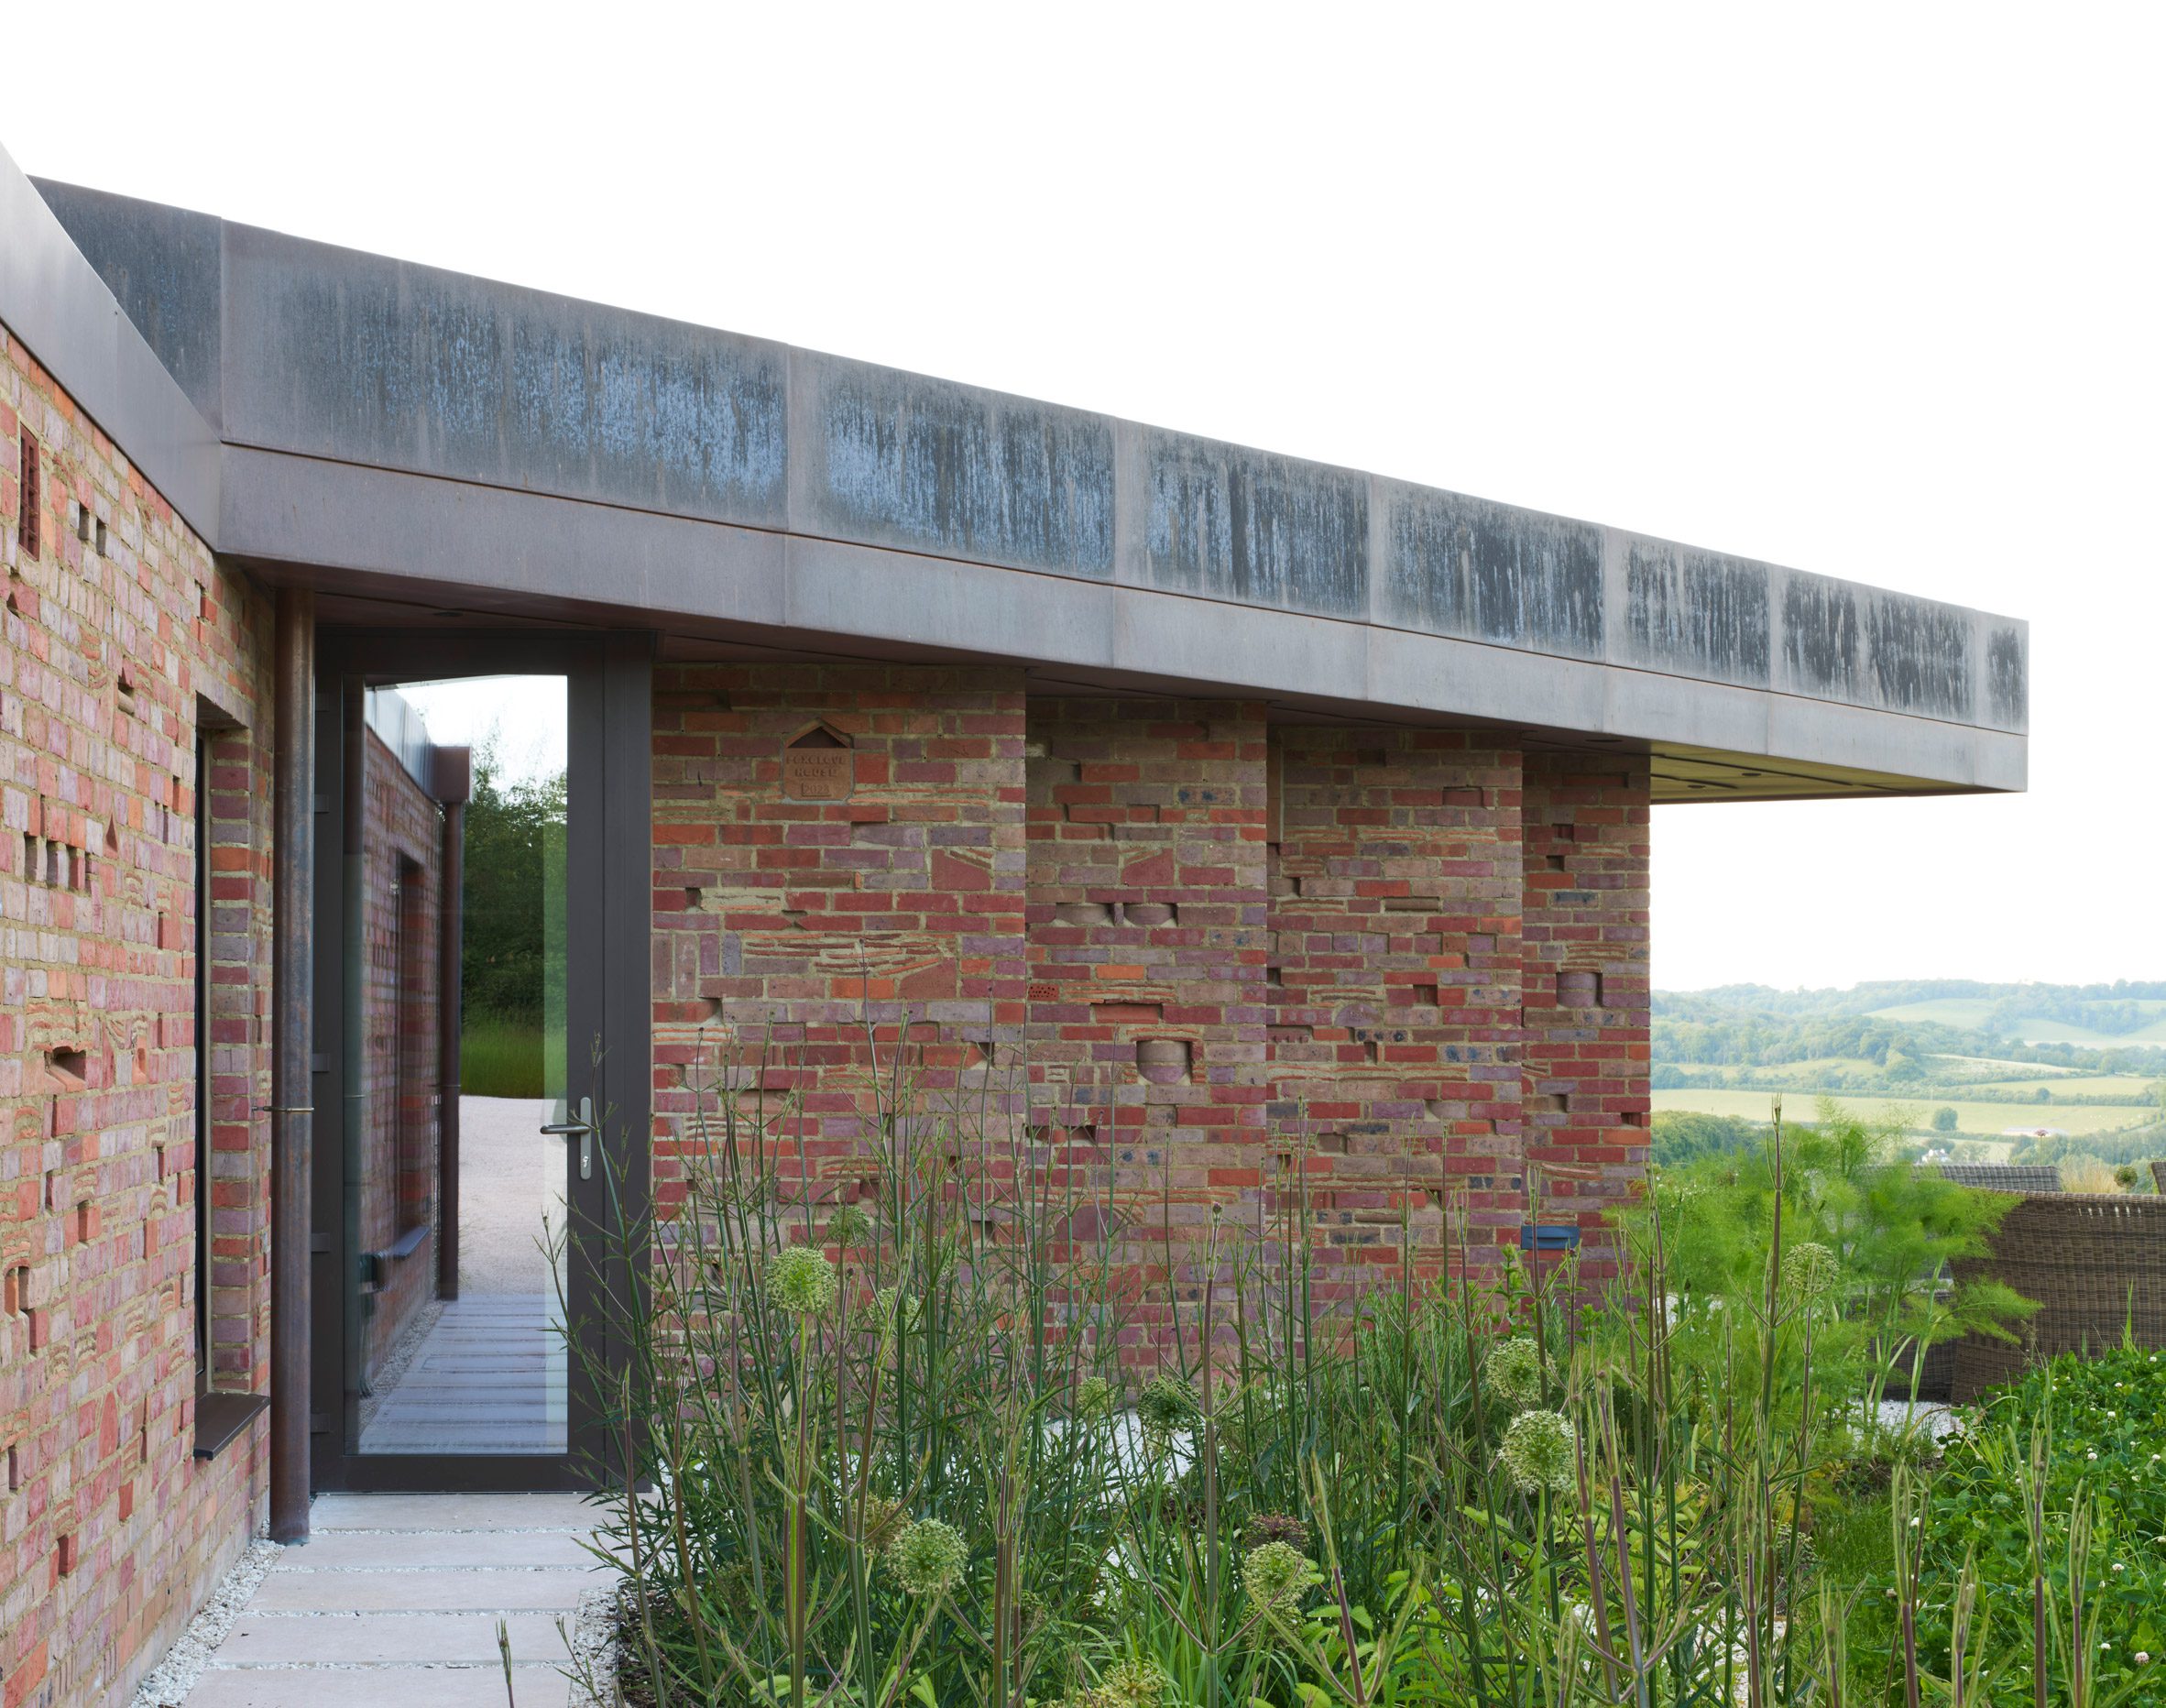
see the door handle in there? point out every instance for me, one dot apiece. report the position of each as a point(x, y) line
point(584, 1127)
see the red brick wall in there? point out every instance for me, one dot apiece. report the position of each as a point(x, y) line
point(1240, 955)
point(1585, 943)
point(110, 663)
point(1394, 1004)
point(796, 920)
point(1146, 946)
point(403, 881)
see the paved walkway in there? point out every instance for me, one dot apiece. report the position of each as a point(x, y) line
point(394, 1603)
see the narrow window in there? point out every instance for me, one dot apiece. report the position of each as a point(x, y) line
point(413, 1018)
point(203, 1063)
point(27, 497)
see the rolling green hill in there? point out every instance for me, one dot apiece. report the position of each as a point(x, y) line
point(1988, 1072)
point(2006, 1015)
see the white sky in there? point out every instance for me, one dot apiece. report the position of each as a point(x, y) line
point(523, 716)
point(1874, 290)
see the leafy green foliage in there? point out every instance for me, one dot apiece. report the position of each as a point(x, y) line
point(1891, 1227)
point(1680, 1136)
point(943, 1483)
point(2099, 1474)
point(513, 829)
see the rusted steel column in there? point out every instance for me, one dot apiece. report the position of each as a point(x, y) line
point(293, 791)
point(452, 790)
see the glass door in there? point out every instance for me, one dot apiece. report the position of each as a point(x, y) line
point(477, 1187)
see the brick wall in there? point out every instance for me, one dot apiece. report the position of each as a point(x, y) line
point(1261, 970)
point(796, 918)
point(120, 642)
point(1585, 944)
point(402, 887)
point(1394, 917)
point(1146, 947)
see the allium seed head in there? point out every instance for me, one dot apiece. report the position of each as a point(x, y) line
point(927, 1558)
point(1133, 1684)
point(803, 1281)
point(1276, 1575)
point(1167, 1405)
point(1810, 1270)
point(1094, 1398)
point(1514, 1369)
point(1538, 1453)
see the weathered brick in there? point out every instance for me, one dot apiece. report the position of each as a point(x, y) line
point(107, 663)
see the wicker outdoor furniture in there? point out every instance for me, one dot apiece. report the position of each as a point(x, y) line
point(2095, 1264)
point(2001, 1177)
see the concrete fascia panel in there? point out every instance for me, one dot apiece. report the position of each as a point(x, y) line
point(890, 459)
point(921, 512)
point(365, 359)
point(1470, 679)
point(531, 551)
point(1904, 747)
point(834, 587)
point(52, 300)
point(165, 266)
point(523, 548)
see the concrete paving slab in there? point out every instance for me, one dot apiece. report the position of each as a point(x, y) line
point(421, 1592)
point(450, 1512)
point(395, 1550)
point(377, 1686)
point(286, 1639)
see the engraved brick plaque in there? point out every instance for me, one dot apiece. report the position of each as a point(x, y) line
point(818, 767)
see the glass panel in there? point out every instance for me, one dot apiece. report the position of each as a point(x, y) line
point(478, 1367)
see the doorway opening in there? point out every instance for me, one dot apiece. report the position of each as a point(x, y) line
point(463, 1290)
point(470, 1205)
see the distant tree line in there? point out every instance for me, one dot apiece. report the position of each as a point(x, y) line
point(1715, 1029)
point(512, 830)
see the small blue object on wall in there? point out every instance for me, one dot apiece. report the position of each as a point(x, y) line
point(1550, 1237)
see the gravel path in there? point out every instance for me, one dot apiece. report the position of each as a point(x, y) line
point(510, 1176)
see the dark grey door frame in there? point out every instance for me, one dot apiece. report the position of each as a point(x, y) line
point(608, 927)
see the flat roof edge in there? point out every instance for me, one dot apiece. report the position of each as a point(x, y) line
point(53, 302)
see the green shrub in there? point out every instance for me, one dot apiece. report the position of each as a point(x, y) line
point(2072, 1450)
point(944, 1480)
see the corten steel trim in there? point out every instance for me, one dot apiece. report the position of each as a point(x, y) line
point(450, 969)
point(293, 1126)
point(353, 1117)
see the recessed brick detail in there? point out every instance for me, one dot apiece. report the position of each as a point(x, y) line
point(1146, 950)
point(107, 661)
point(1395, 1041)
point(783, 927)
point(1585, 941)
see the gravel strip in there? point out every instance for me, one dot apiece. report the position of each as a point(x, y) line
point(399, 1359)
point(593, 1639)
point(170, 1681)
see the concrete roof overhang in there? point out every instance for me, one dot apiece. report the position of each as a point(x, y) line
point(415, 442)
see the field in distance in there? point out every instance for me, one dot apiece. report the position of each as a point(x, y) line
point(1973, 1121)
point(1966, 1013)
